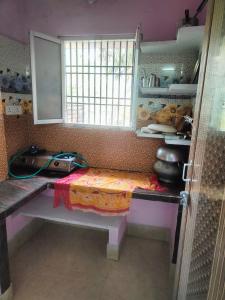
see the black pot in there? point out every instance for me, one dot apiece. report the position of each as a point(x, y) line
point(167, 172)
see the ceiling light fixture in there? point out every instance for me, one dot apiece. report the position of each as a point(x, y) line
point(91, 1)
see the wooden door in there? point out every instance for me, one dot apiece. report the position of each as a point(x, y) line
point(202, 219)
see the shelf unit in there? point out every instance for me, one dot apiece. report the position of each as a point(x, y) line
point(181, 142)
point(42, 207)
point(173, 90)
point(188, 38)
point(149, 135)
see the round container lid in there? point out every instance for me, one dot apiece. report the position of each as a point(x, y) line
point(169, 154)
point(162, 128)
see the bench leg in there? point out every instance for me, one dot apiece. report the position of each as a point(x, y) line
point(5, 284)
point(116, 235)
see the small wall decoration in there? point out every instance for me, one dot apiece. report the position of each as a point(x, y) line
point(14, 82)
point(16, 104)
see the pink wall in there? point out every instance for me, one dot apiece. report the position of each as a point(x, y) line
point(12, 19)
point(15, 223)
point(157, 214)
point(159, 18)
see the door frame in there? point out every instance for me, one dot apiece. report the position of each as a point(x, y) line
point(184, 255)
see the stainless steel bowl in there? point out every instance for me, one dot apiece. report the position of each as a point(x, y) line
point(169, 154)
point(167, 172)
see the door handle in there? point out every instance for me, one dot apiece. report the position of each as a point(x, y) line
point(190, 164)
point(186, 165)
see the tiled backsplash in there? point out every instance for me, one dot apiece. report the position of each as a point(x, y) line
point(13, 55)
point(161, 110)
point(172, 65)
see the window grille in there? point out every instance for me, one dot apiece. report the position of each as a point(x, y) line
point(98, 82)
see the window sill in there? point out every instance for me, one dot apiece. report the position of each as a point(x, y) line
point(98, 127)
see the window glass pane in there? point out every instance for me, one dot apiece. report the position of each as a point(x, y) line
point(99, 79)
point(103, 114)
point(121, 115)
point(80, 84)
point(110, 86)
point(130, 54)
point(92, 110)
point(80, 113)
point(117, 54)
point(98, 53)
point(124, 53)
point(67, 53)
point(115, 115)
point(103, 86)
point(110, 53)
point(86, 57)
point(86, 114)
point(73, 54)
point(116, 86)
point(74, 84)
point(68, 84)
point(122, 86)
point(104, 53)
point(97, 115)
point(109, 115)
point(86, 85)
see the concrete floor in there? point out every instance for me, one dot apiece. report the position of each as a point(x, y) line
point(63, 262)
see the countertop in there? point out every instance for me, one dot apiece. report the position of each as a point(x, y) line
point(15, 193)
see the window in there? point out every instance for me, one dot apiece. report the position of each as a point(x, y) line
point(98, 82)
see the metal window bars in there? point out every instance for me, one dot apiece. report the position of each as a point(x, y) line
point(99, 78)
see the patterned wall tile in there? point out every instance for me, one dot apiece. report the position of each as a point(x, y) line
point(155, 63)
point(13, 55)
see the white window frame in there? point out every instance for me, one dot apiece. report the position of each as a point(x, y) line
point(133, 92)
point(33, 35)
point(61, 41)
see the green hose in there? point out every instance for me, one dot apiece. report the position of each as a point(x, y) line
point(45, 166)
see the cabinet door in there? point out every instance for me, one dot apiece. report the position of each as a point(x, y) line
point(47, 87)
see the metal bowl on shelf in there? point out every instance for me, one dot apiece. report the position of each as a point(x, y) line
point(169, 154)
point(168, 165)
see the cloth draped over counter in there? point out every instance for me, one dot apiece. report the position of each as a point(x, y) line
point(103, 191)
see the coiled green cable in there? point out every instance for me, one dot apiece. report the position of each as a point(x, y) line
point(45, 166)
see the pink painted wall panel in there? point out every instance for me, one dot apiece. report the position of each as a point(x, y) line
point(15, 223)
point(152, 213)
point(156, 214)
point(159, 18)
point(12, 19)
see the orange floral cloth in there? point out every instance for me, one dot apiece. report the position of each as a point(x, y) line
point(104, 191)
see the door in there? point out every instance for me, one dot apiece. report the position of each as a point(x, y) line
point(47, 87)
point(202, 218)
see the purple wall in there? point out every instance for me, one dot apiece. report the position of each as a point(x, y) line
point(159, 18)
point(15, 223)
point(12, 19)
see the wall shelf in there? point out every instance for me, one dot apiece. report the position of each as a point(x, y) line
point(181, 142)
point(167, 139)
point(149, 135)
point(42, 207)
point(173, 89)
point(188, 39)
